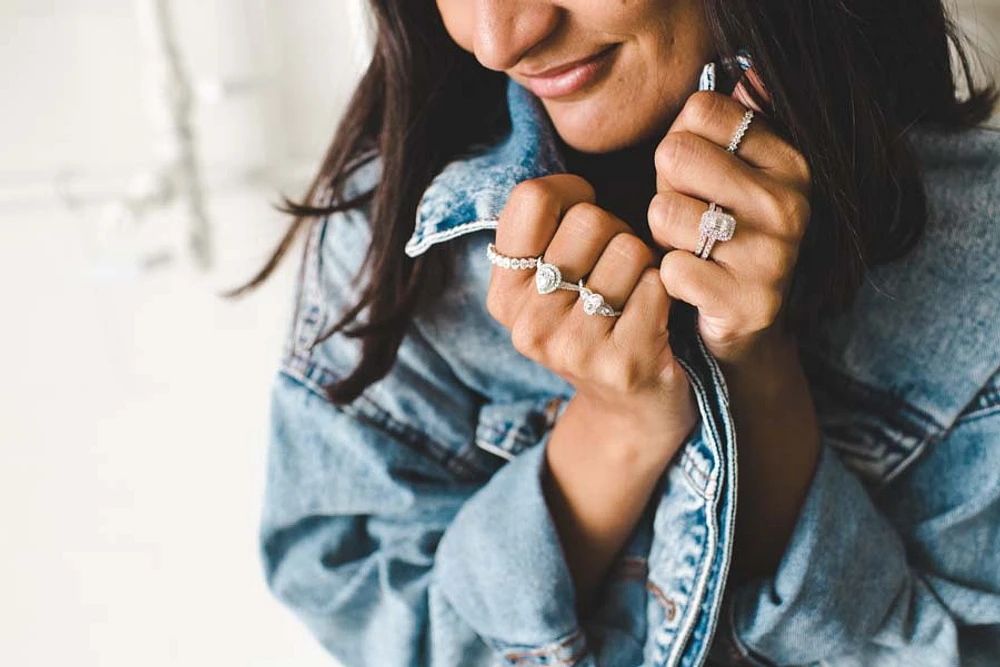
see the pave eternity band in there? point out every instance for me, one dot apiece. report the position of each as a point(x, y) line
point(741, 131)
point(548, 277)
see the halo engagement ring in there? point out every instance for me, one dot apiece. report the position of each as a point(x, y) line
point(548, 277)
point(716, 225)
point(594, 303)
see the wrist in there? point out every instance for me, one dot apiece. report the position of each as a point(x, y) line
point(643, 430)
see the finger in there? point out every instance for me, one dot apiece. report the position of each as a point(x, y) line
point(581, 239)
point(646, 315)
point(674, 219)
point(675, 224)
point(716, 117)
point(694, 166)
point(618, 269)
point(705, 285)
point(526, 227)
point(533, 211)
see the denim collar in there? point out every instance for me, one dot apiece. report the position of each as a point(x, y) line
point(469, 193)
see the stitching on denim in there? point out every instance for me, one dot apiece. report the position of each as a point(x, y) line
point(493, 449)
point(713, 525)
point(669, 606)
point(415, 249)
point(700, 481)
point(984, 404)
point(548, 654)
point(899, 416)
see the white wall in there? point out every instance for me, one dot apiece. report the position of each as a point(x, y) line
point(134, 407)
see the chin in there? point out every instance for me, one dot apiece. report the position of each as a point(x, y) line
point(597, 128)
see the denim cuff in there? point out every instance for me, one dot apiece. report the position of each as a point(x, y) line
point(837, 581)
point(501, 566)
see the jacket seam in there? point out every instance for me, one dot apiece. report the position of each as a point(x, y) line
point(548, 654)
point(367, 410)
point(421, 242)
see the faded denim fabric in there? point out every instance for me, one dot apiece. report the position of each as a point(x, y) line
point(410, 528)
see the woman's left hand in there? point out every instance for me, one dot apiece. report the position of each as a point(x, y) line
point(740, 290)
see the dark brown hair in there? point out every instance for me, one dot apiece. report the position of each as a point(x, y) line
point(847, 79)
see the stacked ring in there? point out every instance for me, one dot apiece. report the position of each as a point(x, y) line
point(717, 225)
point(548, 279)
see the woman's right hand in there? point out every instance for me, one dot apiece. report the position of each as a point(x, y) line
point(622, 367)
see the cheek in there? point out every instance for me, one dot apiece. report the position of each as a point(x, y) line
point(458, 17)
point(638, 101)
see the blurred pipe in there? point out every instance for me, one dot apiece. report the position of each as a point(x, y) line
point(361, 24)
point(172, 117)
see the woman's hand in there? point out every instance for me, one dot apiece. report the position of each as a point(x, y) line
point(739, 292)
point(622, 367)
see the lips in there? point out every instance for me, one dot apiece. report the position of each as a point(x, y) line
point(569, 78)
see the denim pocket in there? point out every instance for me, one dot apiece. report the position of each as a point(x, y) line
point(504, 430)
point(876, 433)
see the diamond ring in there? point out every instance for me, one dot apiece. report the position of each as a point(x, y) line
point(594, 303)
point(548, 277)
point(716, 225)
point(740, 131)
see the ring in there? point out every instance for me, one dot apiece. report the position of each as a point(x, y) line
point(734, 143)
point(505, 262)
point(594, 303)
point(716, 225)
point(548, 277)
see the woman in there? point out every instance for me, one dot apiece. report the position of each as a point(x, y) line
point(488, 448)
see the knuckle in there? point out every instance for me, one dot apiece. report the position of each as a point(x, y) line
point(701, 108)
point(586, 219)
point(800, 167)
point(531, 194)
point(775, 207)
point(528, 337)
point(767, 308)
point(672, 268)
point(651, 278)
point(675, 151)
point(628, 248)
point(661, 212)
point(799, 211)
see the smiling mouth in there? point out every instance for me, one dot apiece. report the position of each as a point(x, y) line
point(569, 78)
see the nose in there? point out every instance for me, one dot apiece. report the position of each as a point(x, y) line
point(505, 30)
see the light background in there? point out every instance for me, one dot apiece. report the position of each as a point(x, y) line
point(133, 410)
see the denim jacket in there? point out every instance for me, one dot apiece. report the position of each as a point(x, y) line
point(410, 527)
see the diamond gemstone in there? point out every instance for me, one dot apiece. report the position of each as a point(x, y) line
point(718, 225)
point(547, 278)
point(592, 303)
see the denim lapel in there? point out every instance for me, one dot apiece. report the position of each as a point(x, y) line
point(469, 193)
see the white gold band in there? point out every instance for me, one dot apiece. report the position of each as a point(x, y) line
point(741, 131)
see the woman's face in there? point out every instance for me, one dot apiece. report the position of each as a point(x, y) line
point(611, 73)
